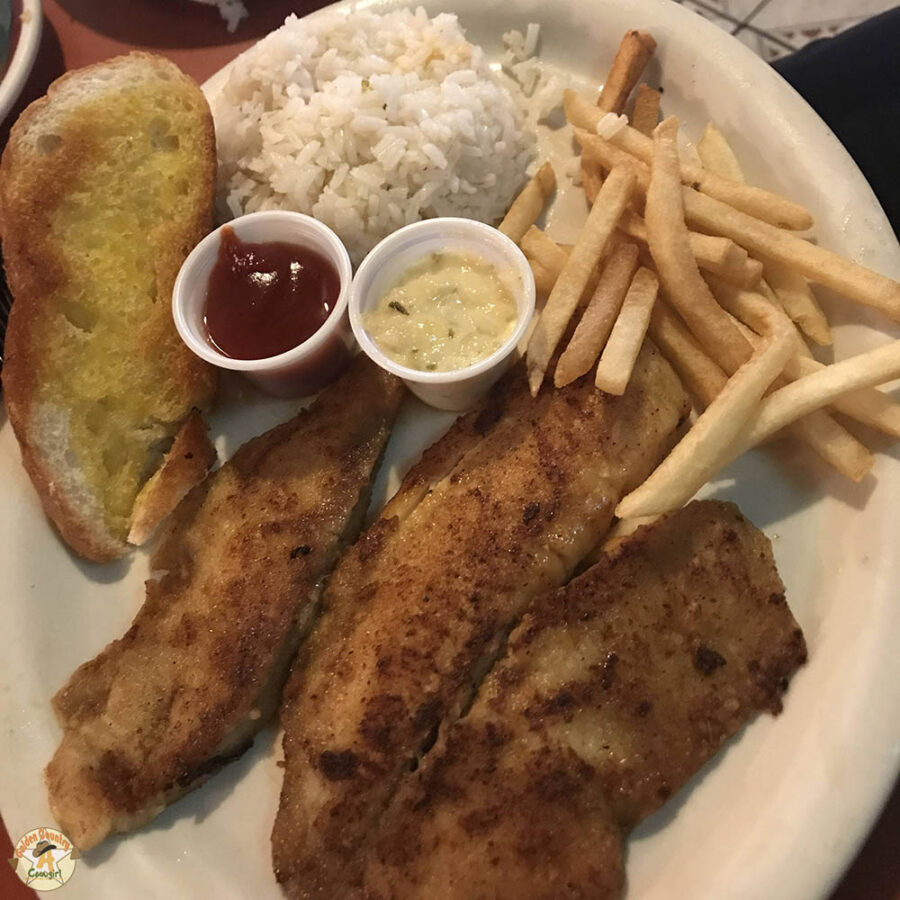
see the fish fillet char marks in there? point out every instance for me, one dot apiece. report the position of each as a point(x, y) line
point(614, 690)
point(234, 587)
point(501, 509)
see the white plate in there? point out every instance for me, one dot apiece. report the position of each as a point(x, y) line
point(777, 814)
point(31, 21)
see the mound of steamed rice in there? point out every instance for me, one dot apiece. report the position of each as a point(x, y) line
point(369, 122)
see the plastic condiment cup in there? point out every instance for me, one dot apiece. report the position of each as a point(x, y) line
point(310, 365)
point(456, 389)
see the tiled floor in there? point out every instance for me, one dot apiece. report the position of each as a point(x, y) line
point(774, 28)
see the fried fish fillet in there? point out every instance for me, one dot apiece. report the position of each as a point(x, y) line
point(614, 690)
point(498, 511)
point(235, 587)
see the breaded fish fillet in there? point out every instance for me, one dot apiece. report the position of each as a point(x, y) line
point(235, 588)
point(614, 690)
point(498, 511)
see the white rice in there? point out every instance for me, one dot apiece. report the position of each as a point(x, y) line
point(542, 92)
point(369, 122)
point(610, 125)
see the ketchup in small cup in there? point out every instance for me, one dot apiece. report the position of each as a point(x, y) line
point(267, 295)
point(265, 299)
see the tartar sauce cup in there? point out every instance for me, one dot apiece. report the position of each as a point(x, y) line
point(456, 389)
point(302, 370)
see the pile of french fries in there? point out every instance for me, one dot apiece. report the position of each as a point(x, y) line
point(713, 272)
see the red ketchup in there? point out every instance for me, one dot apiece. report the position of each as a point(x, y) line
point(264, 299)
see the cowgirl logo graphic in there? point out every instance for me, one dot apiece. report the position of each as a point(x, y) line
point(45, 859)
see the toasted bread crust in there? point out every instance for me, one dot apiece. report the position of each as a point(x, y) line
point(81, 534)
point(32, 185)
point(186, 464)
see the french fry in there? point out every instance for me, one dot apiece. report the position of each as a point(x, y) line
point(769, 294)
point(748, 307)
point(624, 344)
point(827, 437)
point(715, 330)
point(670, 246)
point(795, 402)
point(740, 270)
point(745, 273)
point(702, 451)
point(632, 56)
point(624, 528)
point(717, 156)
point(819, 265)
point(754, 339)
point(646, 109)
point(635, 49)
point(528, 206)
point(597, 320)
point(792, 290)
point(606, 154)
point(754, 201)
point(709, 250)
point(547, 259)
point(700, 374)
point(538, 246)
point(634, 226)
point(591, 179)
point(799, 302)
point(544, 278)
point(573, 279)
point(832, 442)
point(618, 533)
point(819, 389)
point(719, 255)
point(869, 406)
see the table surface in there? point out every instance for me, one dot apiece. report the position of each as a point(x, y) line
point(80, 32)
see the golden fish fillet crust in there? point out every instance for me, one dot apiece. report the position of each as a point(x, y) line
point(613, 692)
point(235, 586)
point(497, 512)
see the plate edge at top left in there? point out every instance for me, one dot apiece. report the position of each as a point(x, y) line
point(30, 17)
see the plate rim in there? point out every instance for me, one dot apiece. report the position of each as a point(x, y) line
point(31, 18)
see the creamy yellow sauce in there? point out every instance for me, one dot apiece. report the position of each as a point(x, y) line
point(447, 311)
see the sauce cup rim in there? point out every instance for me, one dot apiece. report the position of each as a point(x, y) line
point(186, 288)
point(424, 229)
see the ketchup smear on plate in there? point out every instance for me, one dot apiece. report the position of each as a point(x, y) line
point(264, 299)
